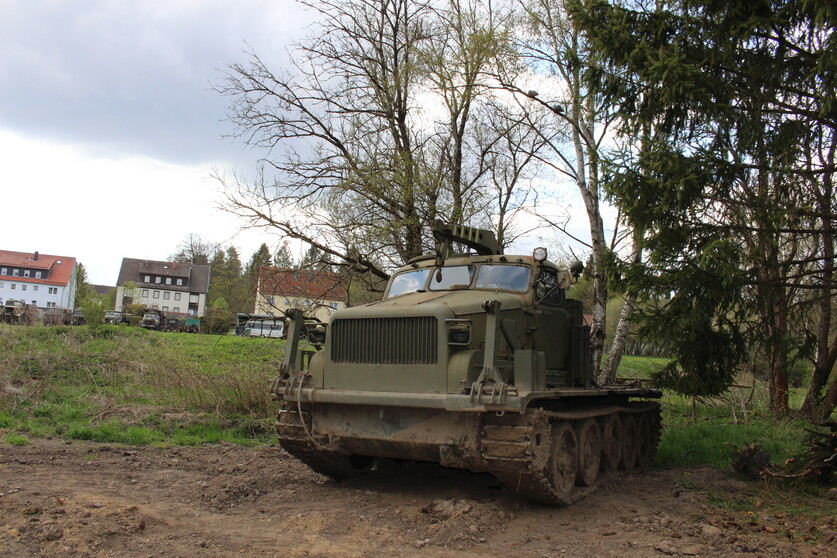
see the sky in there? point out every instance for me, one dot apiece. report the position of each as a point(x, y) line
point(109, 130)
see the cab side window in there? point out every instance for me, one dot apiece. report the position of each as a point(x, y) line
point(548, 284)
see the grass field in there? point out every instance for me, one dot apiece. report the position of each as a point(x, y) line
point(134, 386)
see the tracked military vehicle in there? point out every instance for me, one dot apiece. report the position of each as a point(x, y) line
point(477, 361)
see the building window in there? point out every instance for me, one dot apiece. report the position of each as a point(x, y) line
point(37, 275)
point(177, 296)
point(180, 282)
point(166, 295)
point(23, 287)
point(34, 287)
point(193, 298)
point(158, 279)
point(1, 284)
point(52, 290)
point(14, 286)
point(15, 272)
point(165, 308)
point(50, 305)
point(147, 278)
point(145, 293)
point(26, 273)
point(168, 280)
point(34, 303)
point(156, 294)
point(4, 271)
point(176, 309)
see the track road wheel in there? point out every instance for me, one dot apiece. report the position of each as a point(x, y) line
point(588, 436)
point(563, 464)
point(630, 442)
point(611, 427)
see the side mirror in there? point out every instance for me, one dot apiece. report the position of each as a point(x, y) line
point(576, 269)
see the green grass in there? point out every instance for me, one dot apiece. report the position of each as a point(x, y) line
point(16, 439)
point(132, 386)
point(705, 439)
point(641, 366)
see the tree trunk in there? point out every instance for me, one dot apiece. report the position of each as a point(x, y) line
point(617, 348)
point(620, 336)
point(830, 401)
point(826, 351)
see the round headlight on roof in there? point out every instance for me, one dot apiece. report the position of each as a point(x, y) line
point(539, 254)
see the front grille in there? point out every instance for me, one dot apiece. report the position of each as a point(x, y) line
point(384, 340)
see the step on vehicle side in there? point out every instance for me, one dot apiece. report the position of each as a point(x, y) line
point(475, 361)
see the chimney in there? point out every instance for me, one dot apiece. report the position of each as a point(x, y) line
point(36, 255)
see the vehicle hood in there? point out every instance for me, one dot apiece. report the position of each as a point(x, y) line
point(456, 302)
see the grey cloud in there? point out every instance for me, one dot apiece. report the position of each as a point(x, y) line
point(133, 77)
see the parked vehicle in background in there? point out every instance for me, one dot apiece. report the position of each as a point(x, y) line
point(57, 316)
point(78, 318)
point(243, 318)
point(153, 319)
point(115, 317)
point(18, 312)
point(264, 328)
point(192, 325)
point(172, 324)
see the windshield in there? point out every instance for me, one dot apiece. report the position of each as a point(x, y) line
point(512, 277)
point(408, 282)
point(451, 277)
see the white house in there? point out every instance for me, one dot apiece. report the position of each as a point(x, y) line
point(38, 279)
point(176, 289)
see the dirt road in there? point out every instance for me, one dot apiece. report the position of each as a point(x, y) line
point(83, 499)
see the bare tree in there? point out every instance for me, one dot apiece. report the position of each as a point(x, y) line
point(195, 250)
point(358, 163)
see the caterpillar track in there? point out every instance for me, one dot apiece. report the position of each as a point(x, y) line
point(555, 457)
point(549, 457)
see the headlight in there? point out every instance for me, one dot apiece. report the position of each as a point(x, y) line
point(460, 334)
point(539, 254)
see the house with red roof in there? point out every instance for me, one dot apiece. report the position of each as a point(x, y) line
point(41, 280)
point(317, 293)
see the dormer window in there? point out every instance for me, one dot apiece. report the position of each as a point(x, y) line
point(147, 278)
point(157, 279)
point(26, 273)
point(37, 275)
point(15, 272)
point(180, 282)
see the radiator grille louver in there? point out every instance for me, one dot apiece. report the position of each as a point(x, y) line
point(384, 340)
